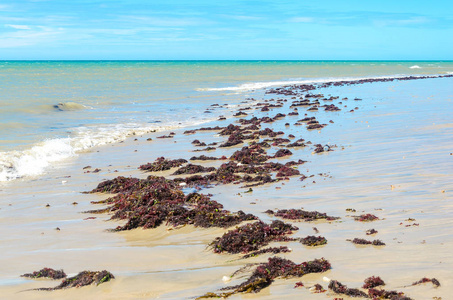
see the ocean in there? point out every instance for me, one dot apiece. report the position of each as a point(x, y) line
point(53, 110)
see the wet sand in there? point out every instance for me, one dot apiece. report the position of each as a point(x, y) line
point(393, 160)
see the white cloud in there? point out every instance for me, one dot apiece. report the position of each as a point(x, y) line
point(4, 7)
point(22, 38)
point(21, 27)
point(163, 22)
point(302, 20)
point(402, 22)
point(242, 17)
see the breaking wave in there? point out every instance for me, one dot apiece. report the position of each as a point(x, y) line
point(35, 160)
point(261, 85)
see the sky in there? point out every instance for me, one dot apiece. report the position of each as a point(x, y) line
point(229, 29)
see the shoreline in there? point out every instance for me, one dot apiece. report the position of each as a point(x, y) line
point(44, 154)
point(265, 199)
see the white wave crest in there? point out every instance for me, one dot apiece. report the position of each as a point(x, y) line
point(261, 85)
point(35, 160)
point(415, 67)
point(32, 161)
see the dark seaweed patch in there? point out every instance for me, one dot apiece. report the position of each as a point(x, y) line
point(162, 164)
point(366, 242)
point(193, 169)
point(265, 273)
point(383, 294)
point(372, 282)
point(273, 250)
point(299, 214)
point(160, 200)
point(366, 218)
point(313, 241)
point(46, 273)
point(339, 288)
point(204, 157)
point(83, 279)
point(434, 281)
point(251, 237)
point(371, 231)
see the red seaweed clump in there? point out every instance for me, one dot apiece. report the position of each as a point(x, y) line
point(193, 169)
point(210, 128)
point(162, 200)
point(331, 107)
point(266, 273)
point(204, 157)
point(372, 282)
point(226, 173)
point(313, 241)
point(315, 126)
point(234, 139)
point(257, 180)
point(117, 185)
point(83, 279)
point(339, 288)
point(251, 237)
point(295, 163)
point(201, 211)
point(285, 171)
point(299, 214)
point(46, 273)
point(435, 282)
point(282, 153)
point(162, 164)
point(205, 149)
point(195, 181)
point(198, 143)
point(278, 141)
point(358, 241)
point(371, 231)
point(383, 294)
point(296, 144)
point(320, 148)
point(250, 155)
point(273, 250)
point(317, 288)
point(366, 218)
point(230, 129)
point(269, 132)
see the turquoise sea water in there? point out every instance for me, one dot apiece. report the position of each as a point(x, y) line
point(53, 110)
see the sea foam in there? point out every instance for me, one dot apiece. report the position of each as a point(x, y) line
point(261, 85)
point(35, 160)
point(415, 67)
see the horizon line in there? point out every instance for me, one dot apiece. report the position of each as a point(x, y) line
point(225, 60)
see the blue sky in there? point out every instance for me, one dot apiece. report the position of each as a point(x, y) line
point(233, 29)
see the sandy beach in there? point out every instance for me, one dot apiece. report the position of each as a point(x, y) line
point(391, 157)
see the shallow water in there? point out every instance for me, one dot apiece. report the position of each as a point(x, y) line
point(50, 111)
point(393, 159)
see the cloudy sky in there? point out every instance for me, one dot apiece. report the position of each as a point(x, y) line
point(233, 29)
